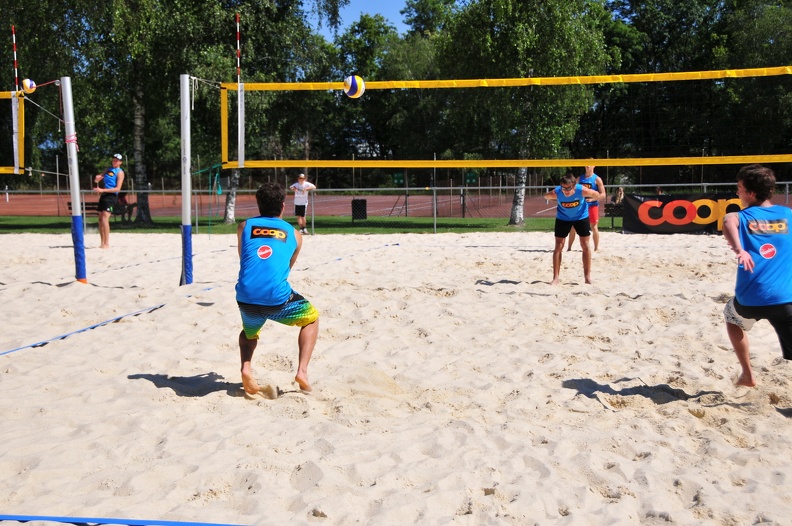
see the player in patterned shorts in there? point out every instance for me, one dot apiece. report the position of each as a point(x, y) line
point(268, 249)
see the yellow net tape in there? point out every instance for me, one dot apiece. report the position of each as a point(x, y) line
point(516, 163)
point(508, 83)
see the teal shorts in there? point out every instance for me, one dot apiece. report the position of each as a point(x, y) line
point(297, 311)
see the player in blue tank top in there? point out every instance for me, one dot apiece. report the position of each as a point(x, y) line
point(268, 248)
point(591, 180)
point(108, 184)
point(571, 212)
point(759, 236)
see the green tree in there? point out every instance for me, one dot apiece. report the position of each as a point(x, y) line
point(427, 17)
point(754, 115)
point(362, 50)
point(45, 46)
point(125, 57)
point(513, 38)
point(412, 126)
point(604, 130)
point(281, 48)
point(657, 119)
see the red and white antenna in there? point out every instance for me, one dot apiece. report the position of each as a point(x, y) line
point(16, 74)
point(240, 104)
point(239, 53)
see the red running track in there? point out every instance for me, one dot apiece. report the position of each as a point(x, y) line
point(497, 205)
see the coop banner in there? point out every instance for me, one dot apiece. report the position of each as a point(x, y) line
point(678, 214)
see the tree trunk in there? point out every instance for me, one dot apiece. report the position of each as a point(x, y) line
point(517, 218)
point(307, 151)
point(230, 207)
point(138, 156)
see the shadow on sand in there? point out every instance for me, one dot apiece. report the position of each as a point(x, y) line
point(659, 394)
point(193, 386)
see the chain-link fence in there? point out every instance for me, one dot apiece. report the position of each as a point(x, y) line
point(372, 210)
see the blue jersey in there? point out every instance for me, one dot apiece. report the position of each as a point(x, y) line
point(590, 183)
point(573, 207)
point(268, 244)
point(764, 233)
point(110, 178)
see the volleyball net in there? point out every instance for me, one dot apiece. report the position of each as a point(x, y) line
point(17, 107)
point(244, 160)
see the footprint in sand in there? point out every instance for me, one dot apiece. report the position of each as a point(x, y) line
point(270, 392)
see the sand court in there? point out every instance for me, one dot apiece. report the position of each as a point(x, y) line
point(451, 384)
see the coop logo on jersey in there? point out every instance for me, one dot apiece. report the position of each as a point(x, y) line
point(268, 233)
point(767, 251)
point(768, 226)
point(570, 204)
point(264, 252)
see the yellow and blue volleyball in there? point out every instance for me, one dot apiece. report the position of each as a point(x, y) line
point(28, 86)
point(354, 86)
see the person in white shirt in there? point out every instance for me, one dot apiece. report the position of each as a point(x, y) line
point(301, 189)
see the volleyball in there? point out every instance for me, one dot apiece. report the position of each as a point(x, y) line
point(354, 86)
point(28, 86)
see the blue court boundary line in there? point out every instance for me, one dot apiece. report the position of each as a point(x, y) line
point(91, 520)
point(78, 331)
point(156, 307)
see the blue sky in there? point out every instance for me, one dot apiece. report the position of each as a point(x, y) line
point(387, 8)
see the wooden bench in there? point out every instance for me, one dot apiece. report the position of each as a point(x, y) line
point(87, 208)
point(92, 208)
point(614, 210)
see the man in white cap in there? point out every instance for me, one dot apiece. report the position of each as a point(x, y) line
point(108, 184)
point(301, 189)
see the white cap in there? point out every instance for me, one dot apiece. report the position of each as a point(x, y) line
point(301, 176)
point(119, 156)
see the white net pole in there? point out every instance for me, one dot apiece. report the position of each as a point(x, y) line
point(186, 147)
point(15, 128)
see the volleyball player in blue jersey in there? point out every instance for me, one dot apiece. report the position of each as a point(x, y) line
point(268, 248)
point(759, 236)
point(108, 184)
point(571, 212)
point(591, 180)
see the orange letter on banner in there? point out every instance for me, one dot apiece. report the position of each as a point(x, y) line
point(723, 204)
point(643, 213)
point(690, 212)
point(715, 214)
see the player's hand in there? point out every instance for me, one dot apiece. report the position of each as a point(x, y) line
point(745, 260)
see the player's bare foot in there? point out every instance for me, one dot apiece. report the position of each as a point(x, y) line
point(554, 282)
point(249, 383)
point(302, 381)
point(588, 281)
point(104, 246)
point(746, 381)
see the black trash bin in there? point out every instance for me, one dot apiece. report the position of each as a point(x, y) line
point(359, 209)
